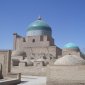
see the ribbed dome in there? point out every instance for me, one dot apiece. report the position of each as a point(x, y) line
point(71, 45)
point(38, 27)
point(70, 60)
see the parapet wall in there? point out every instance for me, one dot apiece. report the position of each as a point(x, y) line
point(5, 61)
point(32, 41)
point(66, 75)
point(11, 79)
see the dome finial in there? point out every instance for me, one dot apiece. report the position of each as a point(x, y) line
point(39, 18)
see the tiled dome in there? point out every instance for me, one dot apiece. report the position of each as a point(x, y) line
point(71, 45)
point(38, 27)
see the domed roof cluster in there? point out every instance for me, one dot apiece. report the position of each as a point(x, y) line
point(71, 59)
point(38, 27)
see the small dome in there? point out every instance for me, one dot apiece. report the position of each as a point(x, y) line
point(38, 27)
point(71, 45)
point(41, 59)
point(70, 60)
point(18, 53)
point(29, 63)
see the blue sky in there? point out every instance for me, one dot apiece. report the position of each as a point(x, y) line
point(66, 17)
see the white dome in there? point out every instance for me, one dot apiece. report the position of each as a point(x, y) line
point(18, 53)
point(40, 59)
point(69, 60)
point(32, 60)
point(29, 63)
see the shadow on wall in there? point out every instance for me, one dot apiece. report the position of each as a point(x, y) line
point(1, 76)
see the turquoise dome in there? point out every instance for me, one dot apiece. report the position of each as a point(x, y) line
point(39, 28)
point(71, 45)
point(39, 25)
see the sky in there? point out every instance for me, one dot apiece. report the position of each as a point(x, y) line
point(65, 17)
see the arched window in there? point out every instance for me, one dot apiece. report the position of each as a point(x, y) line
point(69, 54)
point(50, 58)
point(33, 40)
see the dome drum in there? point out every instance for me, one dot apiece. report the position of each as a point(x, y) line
point(38, 32)
point(72, 49)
